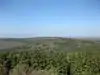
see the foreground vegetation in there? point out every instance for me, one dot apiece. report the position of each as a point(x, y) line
point(49, 63)
point(52, 57)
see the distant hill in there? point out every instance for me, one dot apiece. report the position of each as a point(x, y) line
point(49, 43)
point(10, 43)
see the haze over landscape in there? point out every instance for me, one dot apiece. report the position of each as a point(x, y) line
point(34, 18)
point(49, 37)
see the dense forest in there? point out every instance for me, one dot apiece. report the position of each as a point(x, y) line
point(50, 56)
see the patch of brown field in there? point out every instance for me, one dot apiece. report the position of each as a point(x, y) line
point(9, 44)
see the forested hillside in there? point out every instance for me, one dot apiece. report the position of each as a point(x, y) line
point(50, 56)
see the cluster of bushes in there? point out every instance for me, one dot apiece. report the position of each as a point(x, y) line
point(59, 63)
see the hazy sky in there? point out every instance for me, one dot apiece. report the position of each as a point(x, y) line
point(24, 18)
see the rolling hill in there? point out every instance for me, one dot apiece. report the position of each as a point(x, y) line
point(49, 43)
point(49, 56)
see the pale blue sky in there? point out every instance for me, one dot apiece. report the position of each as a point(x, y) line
point(29, 18)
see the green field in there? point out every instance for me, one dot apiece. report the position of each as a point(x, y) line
point(49, 56)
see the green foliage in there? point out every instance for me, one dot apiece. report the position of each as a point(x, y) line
point(52, 57)
point(63, 63)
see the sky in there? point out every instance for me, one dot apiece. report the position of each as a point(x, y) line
point(41, 18)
